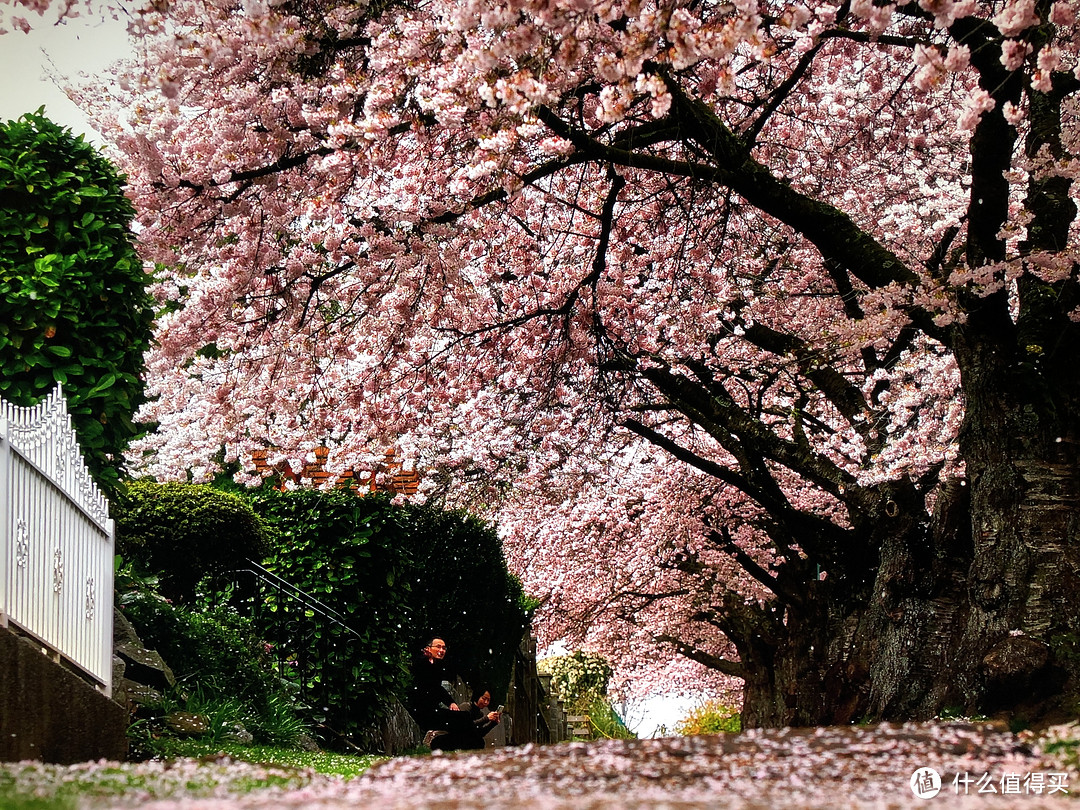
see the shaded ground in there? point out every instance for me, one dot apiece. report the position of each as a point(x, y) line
point(979, 766)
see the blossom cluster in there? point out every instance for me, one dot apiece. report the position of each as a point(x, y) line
point(508, 237)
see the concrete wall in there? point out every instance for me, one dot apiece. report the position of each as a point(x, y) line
point(50, 714)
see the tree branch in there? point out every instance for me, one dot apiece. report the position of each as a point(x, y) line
point(722, 538)
point(728, 667)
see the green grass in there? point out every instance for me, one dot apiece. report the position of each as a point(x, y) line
point(186, 769)
point(19, 801)
point(324, 762)
point(1061, 744)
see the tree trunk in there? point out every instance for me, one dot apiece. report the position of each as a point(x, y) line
point(974, 608)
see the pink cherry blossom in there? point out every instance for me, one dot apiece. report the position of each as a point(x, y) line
point(649, 283)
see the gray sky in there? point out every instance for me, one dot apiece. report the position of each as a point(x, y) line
point(83, 45)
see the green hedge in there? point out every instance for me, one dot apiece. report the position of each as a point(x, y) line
point(463, 591)
point(184, 532)
point(399, 574)
point(351, 554)
point(396, 574)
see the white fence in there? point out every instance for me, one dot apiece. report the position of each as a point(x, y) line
point(56, 539)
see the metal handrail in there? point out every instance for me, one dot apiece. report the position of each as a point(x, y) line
point(296, 662)
point(292, 591)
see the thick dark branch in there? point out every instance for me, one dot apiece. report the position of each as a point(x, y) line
point(780, 94)
point(282, 164)
point(606, 217)
point(497, 194)
point(991, 146)
point(646, 135)
point(873, 39)
point(788, 524)
point(723, 540)
point(831, 230)
point(718, 471)
point(847, 398)
point(935, 265)
point(591, 149)
point(733, 668)
point(722, 418)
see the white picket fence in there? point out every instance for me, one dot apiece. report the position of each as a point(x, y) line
point(56, 539)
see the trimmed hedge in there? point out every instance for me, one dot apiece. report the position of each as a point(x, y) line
point(184, 532)
point(400, 574)
point(464, 592)
point(397, 574)
point(351, 554)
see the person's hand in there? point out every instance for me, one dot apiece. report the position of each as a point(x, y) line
point(454, 707)
point(493, 716)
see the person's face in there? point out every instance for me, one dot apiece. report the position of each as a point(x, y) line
point(437, 648)
point(484, 700)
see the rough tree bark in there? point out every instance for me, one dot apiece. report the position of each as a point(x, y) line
point(976, 606)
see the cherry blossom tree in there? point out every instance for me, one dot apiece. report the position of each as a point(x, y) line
point(755, 319)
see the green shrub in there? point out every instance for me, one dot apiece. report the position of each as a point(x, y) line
point(463, 592)
point(577, 679)
point(605, 722)
point(277, 723)
point(204, 647)
point(396, 574)
point(10, 800)
point(222, 670)
point(711, 717)
point(74, 308)
point(580, 681)
point(185, 532)
point(392, 573)
point(352, 555)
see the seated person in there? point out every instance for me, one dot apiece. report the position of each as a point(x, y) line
point(483, 720)
point(431, 705)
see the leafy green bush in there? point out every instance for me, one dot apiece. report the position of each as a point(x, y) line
point(463, 592)
point(206, 647)
point(185, 532)
point(580, 681)
point(392, 573)
point(605, 722)
point(711, 717)
point(352, 555)
point(73, 302)
point(397, 574)
point(277, 723)
point(223, 671)
point(577, 679)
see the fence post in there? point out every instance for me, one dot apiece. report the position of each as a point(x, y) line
point(108, 596)
point(5, 514)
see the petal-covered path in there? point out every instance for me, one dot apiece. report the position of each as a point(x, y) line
point(817, 768)
point(874, 767)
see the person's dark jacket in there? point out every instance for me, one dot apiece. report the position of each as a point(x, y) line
point(427, 695)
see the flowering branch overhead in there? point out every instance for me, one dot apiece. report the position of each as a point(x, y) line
point(623, 274)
